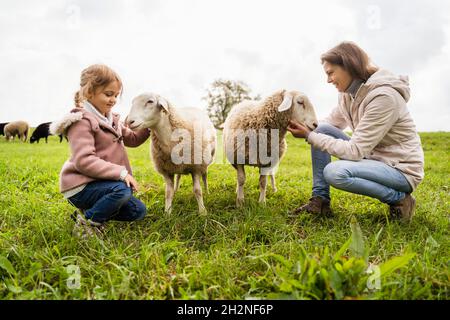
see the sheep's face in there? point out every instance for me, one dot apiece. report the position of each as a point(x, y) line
point(303, 110)
point(146, 111)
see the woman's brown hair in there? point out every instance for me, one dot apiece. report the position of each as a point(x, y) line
point(352, 58)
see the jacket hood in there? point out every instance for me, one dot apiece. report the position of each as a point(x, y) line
point(384, 78)
point(76, 114)
point(61, 126)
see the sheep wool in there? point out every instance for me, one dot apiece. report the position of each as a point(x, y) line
point(249, 131)
point(16, 128)
point(263, 115)
point(183, 142)
point(161, 153)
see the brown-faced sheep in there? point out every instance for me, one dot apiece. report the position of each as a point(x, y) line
point(16, 128)
point(252, 126)
point(183, 142)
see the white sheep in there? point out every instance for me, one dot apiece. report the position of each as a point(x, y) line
point(183, 142)
point(19, 128)
point(250, 128)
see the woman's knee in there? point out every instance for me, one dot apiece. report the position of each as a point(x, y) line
point(336, 173)
point(332, 131)
point(325, 128)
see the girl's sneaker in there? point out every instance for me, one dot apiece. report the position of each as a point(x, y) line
point(85, 228)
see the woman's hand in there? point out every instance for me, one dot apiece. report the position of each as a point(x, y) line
point(298, 130)
point(131, 182)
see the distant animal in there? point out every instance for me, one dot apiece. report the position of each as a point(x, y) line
point(2, 127)
point(153, 111)
point(42, 131)
point(248, 132)
point(16, 128)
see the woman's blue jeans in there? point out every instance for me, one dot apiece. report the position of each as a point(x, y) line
point(367, 177)
point(108, 200)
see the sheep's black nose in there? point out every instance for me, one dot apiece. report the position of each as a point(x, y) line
point(131, 122)
point(315, 125)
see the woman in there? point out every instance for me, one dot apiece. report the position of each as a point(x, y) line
point(383, 158)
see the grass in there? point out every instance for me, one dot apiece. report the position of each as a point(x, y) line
point(254, 252)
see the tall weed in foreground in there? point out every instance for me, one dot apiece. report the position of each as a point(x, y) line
point(323, 275)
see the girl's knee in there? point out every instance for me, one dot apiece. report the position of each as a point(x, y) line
point(123, 191)
point(136, 210)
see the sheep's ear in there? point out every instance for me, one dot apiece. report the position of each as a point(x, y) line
point(287, 102)
point(163, 104)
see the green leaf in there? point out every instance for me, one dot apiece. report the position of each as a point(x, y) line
point(5, 264)
point(281, 259)
point(341, 251)
point(393, 264)
point(338, 267)
point(325, 275)
point(375, 240)
point(336, 284)
point(357, 246)
point(431, 243)
point(14, 289)
point(286, 287)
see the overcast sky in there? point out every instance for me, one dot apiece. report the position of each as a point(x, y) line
point(177, 48)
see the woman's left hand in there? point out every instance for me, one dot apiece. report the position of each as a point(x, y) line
point(298, 130)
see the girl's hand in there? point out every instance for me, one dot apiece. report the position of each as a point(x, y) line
point(298, 130)
point(131, 182)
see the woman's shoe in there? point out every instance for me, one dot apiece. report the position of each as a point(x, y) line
point(404, 209)
point(316, 205)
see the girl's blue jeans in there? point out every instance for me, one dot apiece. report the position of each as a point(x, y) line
point(367, 177)
point(108, 200)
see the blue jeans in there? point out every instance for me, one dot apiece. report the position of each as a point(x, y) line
point(108, 200)
point(367, 177)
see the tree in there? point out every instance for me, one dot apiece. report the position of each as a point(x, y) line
point(222, 95)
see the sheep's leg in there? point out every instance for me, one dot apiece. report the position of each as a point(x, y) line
point(240, 185)
point(177, 181)
point(198, 193)
point(272, 180)
point(169, 193)
point(262, 188)
point(205, 182)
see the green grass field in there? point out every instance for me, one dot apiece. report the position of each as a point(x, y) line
point(255, 252)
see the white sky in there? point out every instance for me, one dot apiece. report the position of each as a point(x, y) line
point(177, 48)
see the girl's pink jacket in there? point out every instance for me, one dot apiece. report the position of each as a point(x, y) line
point(98, 149)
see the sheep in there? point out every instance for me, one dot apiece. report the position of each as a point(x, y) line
point(19, 128)
point(43, 131)
point(250, 128)
point(2, 128)
point(183, 142)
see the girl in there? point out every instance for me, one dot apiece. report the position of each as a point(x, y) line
point(383, 158)
point(97, 178)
